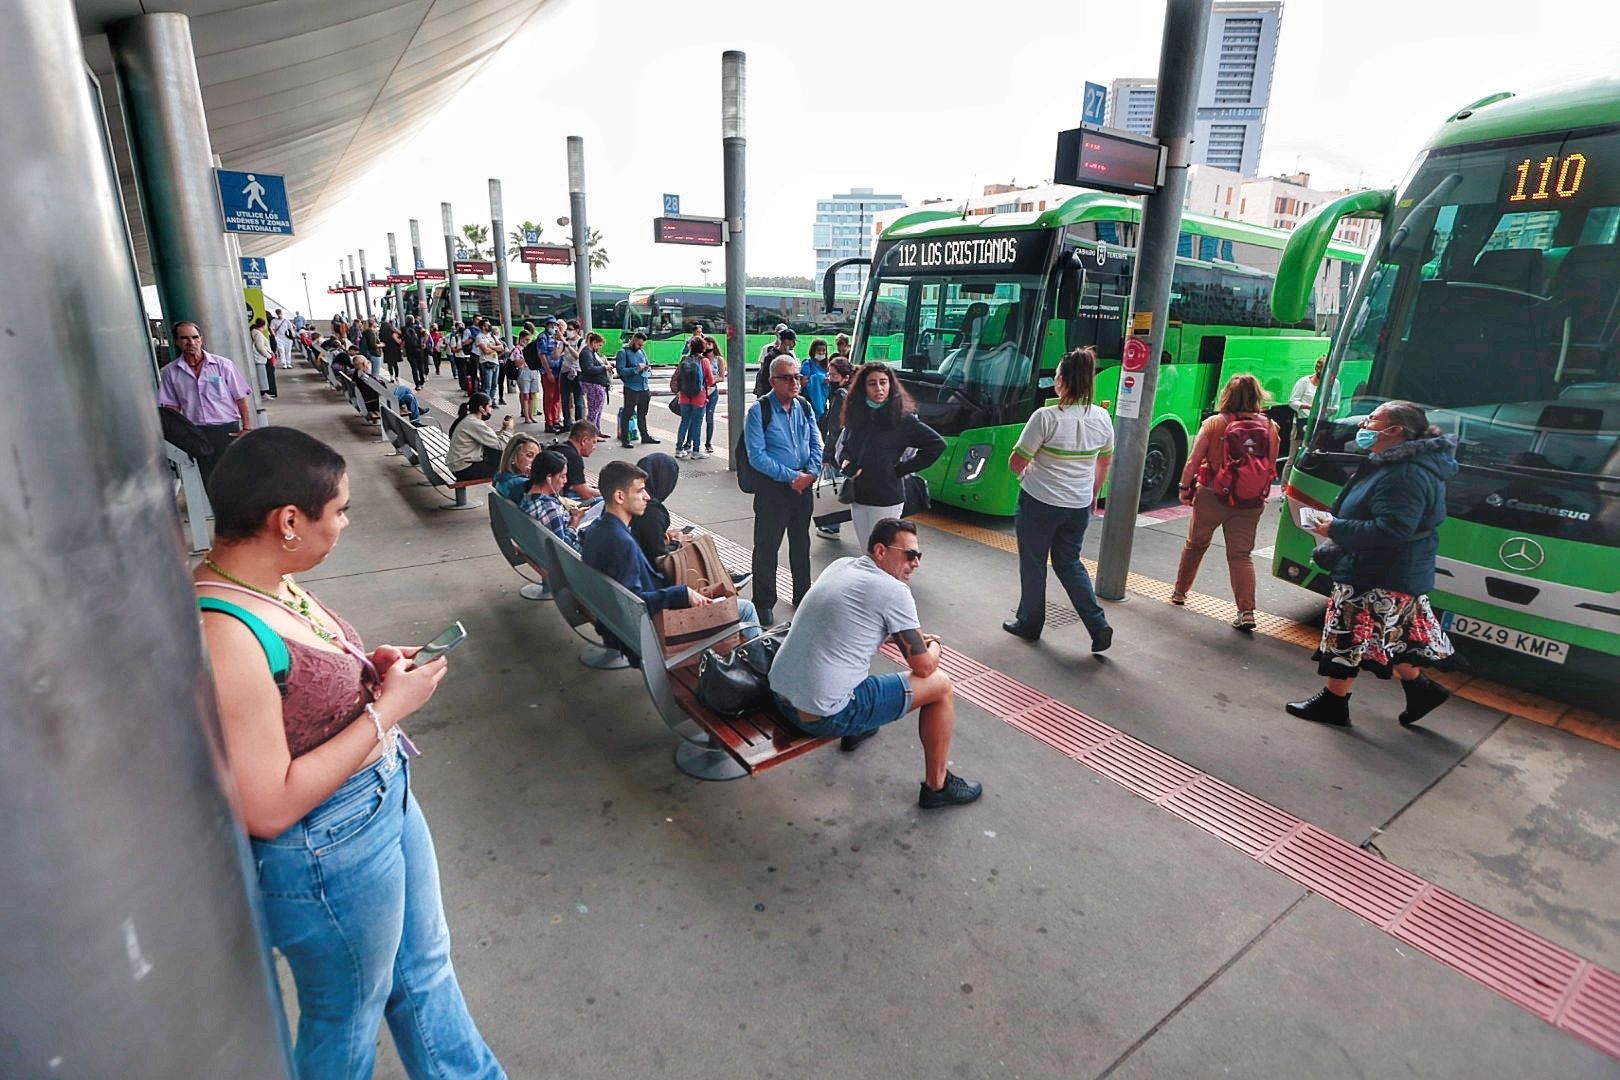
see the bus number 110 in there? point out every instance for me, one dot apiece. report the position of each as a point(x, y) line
point(1570, 170)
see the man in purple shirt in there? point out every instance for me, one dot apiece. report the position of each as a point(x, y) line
point(207, 390)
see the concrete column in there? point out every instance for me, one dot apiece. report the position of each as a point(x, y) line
point(129, 930)
point(393, 287)
point(498, 229)
point(576, 213)
point(365, 283)
point(734, 147)
point(418, 264)
point(450, 263)
point(161, 101)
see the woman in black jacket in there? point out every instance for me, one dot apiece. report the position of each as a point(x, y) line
point(1384, 522)
point(883, 442)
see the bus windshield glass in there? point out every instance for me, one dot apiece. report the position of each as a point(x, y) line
point(1495, 304)
point(968, 333)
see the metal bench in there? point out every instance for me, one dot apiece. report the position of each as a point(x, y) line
point(426, 448)
point(712, 747)
point(189, 479)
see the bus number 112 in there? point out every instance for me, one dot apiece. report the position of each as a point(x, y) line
point(1571, 170)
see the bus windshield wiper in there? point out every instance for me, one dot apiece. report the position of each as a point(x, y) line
point(1441, 190)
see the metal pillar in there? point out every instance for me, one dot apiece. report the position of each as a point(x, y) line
point(418, 264)
point(354, 281)
point(1181, 63)
point(576, 214)
point(161, 101)
point(365, 283)
point(450, 263)
point(129, 937)
point(498, 228)
point(393, 287)
point(733, 100)
point(343, 279)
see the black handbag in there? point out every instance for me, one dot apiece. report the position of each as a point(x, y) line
point(1327, 554)
point(738, 683)
point(917, 496)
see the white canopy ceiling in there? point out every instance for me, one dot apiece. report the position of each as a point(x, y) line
point(312, 89)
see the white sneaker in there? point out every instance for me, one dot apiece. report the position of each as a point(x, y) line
point(697, 455)
point(680, 454)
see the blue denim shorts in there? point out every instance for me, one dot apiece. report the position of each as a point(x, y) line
point(878, 700)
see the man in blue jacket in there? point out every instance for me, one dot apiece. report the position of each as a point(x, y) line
point(631, 364)
point(786, 453)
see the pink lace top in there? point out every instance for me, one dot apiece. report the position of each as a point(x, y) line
point(325, 692)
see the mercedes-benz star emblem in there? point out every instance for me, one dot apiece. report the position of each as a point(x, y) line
point(1493, 499)
point(1521, 553)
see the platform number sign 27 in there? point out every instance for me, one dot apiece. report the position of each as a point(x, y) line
point(1093, 104)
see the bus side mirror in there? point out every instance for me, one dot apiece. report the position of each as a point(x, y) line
point(829, 283)
point(1296, 276)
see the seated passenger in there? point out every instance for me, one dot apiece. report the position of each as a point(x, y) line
point(408, 403)
point(540, 501)
point(820, 676)
point(609, 548)
point(352, 363)
point(582, 439)
point(652, 529)
point(512, 474)
point(475, 447)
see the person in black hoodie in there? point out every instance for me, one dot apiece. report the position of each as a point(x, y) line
point(651, 529)
point(882, 442)
point(1384, 522)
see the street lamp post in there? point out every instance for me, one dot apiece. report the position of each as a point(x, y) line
point(309, 303)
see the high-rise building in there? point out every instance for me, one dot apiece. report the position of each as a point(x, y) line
point(845, 225)
point(1233, 93)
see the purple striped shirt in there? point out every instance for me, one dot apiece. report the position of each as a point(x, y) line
point(207, 396)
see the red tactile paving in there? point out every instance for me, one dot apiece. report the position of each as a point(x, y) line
point(1356, 880)
point(1062, 727)
point(1138, 767)
point(998, 695)
point(1592, 1011)
point(1251, 826)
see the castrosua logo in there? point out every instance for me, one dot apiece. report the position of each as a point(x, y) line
point(1497, 501)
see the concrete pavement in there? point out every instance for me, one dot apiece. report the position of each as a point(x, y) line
point(614, 918)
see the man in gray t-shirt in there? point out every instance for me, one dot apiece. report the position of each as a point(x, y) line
point(820, 676)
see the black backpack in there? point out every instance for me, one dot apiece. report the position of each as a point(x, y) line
point(747, 475)
point(689, 376)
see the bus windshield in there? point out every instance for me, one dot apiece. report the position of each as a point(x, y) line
point(967, 334)
point(1493, 304)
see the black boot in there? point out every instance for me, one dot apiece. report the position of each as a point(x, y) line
point(1423, 696)
point(1324, 707)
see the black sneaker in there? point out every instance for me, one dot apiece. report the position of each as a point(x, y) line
point(1102, 639)
point(648, 440)
point(955, 792)
point(849, 742)
point(1018, 629)
point(740, 581)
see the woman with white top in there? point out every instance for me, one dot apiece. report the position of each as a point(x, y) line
point(262, 357)
point(1301, 401)
point(1062, 460)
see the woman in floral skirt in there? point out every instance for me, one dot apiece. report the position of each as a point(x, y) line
point(1384, 522)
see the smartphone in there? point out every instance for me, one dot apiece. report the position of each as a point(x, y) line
point(688, 528)
point(440, 645)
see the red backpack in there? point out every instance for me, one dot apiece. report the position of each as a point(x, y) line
point(1241, 465)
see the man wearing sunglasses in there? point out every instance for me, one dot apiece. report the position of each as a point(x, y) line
point(820, 676)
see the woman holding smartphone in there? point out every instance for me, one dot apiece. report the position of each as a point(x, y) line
point(311, 723)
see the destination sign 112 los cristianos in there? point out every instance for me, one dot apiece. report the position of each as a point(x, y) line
point(1013, 253)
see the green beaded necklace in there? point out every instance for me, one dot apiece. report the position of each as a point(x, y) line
point(299, 605)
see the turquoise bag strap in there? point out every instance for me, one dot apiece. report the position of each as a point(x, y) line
point(275, 650)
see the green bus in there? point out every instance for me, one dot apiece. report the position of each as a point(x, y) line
point(531, 301)
point(668, 314)
point(975, 313)
point(1493, 299)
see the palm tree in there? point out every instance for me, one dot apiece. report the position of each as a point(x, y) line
point(475, 237)
point(517, 238)
point(593, 244)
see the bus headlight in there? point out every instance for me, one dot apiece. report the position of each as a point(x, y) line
point(973, 463)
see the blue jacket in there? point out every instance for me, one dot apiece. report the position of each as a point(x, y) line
point(791, 445)
point(815, 387)
point(1387, 514)
point(610, 548)
point(627, 364)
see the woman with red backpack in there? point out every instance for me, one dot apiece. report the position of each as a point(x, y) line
point(1226, 481)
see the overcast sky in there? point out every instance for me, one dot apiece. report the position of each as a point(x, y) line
point(920, 98)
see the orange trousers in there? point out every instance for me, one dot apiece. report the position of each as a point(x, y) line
point(1238, 526)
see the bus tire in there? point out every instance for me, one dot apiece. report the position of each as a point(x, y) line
point(1161, 465)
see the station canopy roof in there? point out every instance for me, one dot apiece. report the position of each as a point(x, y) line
point(311, 89)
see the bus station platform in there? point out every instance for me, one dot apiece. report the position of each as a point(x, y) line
point(1167, 875)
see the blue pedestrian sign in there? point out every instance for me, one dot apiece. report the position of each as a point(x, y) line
point(254, 271)
point(1091, 110)
point(672, 206)
point(254, 202)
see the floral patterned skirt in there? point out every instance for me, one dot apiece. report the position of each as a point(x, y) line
point(1375, 629)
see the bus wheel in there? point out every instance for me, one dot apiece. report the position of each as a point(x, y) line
point(1159, 470)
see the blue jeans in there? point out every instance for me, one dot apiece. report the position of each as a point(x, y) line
point(1042, 530)
point(876, 700)
point(708, 411)
point(351, 898)
point(691, 427)
point(489, 378)
point(407, 400)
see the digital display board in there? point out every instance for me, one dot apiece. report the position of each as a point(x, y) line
point(431, 275)
point(547, 254)
point(401, 279)
point(474, 266)
point(1012, 254)
point(1549, 179)
point(705, 232)
point(1108, 161)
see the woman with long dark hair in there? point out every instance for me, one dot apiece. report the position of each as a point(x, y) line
point(1061, 460)
point(1384, 523)
point(475, 447)
point(883, 441)
point(311, 722)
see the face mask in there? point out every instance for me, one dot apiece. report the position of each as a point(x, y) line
point(1366, 438)
point(870, 404)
